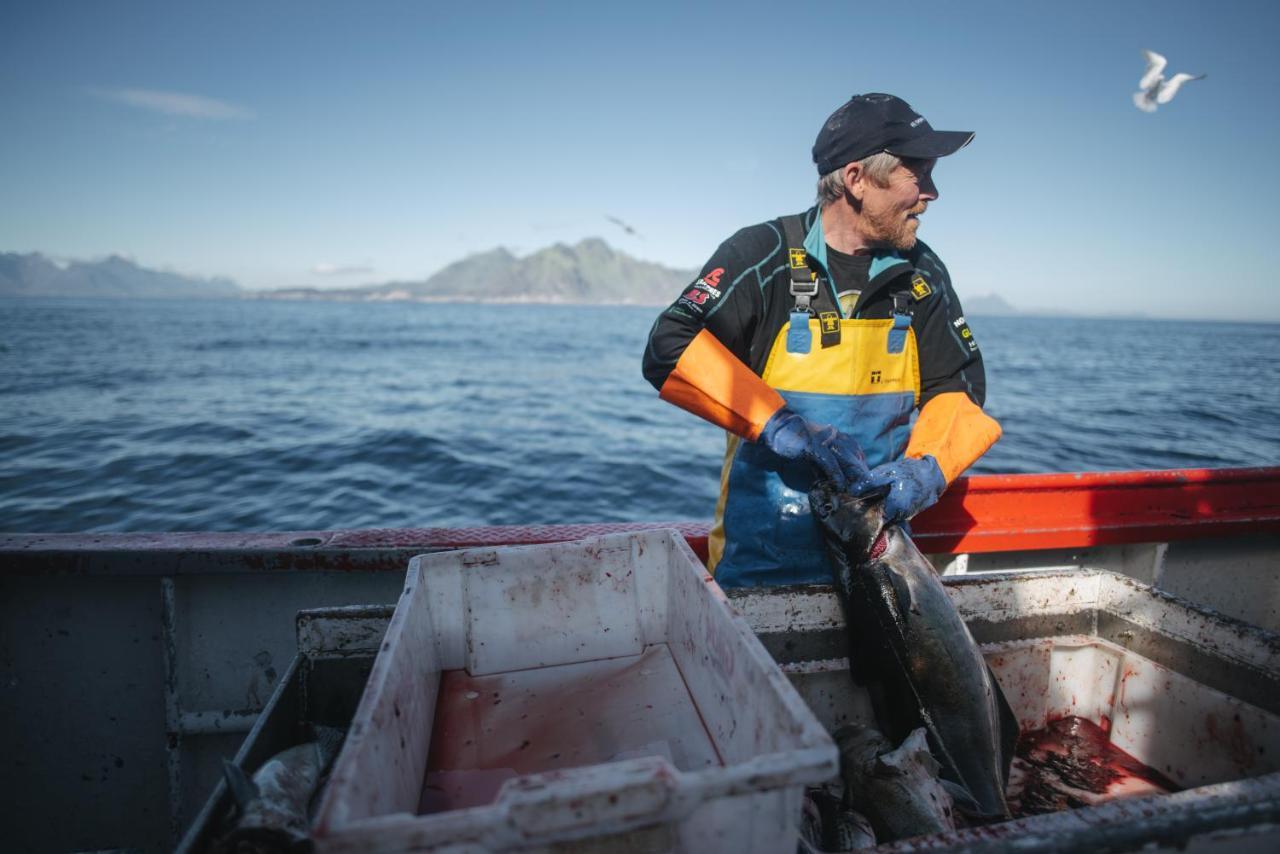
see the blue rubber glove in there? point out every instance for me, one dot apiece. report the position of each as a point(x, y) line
point(794, 440)
point(912, 485)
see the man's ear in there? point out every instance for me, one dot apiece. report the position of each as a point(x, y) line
point(855, 180)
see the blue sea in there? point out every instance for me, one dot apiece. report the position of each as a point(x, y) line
point(273, 416)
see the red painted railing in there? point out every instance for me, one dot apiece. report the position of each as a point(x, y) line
point(987, 513)
point(997, 513)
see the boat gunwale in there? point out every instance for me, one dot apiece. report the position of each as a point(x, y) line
point(978, 514)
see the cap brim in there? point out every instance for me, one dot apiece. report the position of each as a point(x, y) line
point(938, 143)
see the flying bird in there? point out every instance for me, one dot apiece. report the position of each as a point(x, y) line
point(628, 229)
point(1153, 89)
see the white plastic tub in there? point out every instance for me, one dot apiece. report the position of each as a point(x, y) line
point(601, 692)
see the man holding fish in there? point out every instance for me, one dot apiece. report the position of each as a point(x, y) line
point(814, 338)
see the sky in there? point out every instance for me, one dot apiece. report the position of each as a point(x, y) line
point(335, 144)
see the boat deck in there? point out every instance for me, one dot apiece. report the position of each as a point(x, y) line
point(134, 662)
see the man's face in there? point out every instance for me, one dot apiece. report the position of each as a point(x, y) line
point(891, 213)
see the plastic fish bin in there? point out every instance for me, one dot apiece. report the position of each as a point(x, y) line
point(1188, 692)
point(600, 692)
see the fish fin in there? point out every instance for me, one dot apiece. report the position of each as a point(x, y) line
point(901, 592)
point(243, 790)
point(914, 748)
point(918, 743)
point(1009, 729)
point(962, 799)
point(949, 770)
point(882, 767)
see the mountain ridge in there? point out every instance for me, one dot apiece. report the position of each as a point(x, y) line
point(115, 277)
point(587, 272)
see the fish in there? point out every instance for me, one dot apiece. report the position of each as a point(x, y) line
point(273, 808)
point(829, 825)
point(897, 789)
point(913, 652)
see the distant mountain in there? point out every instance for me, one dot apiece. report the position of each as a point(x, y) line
point(34, 275)
point(589, 272)
point(987, 305)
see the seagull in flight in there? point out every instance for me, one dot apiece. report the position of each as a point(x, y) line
point(628, 229)
point(1153, 89)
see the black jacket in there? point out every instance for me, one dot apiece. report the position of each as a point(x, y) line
point(747, 304)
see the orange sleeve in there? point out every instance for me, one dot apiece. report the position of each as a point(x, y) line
point(954, 431)
point(714, 384)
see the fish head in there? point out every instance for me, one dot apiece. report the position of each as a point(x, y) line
point(855, 521)
point(859, 745)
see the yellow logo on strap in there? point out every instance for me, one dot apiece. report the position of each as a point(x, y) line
point(797, 258)
point(830, 321)
point(920, 288)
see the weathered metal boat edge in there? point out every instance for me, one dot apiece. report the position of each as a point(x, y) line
point(979, 514)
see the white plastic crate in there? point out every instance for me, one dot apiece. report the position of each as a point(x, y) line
point(596, 692)
point(1182, 689)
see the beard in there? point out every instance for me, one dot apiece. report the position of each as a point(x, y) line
point(891, 228)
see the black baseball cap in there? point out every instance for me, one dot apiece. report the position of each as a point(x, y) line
point(867, 124)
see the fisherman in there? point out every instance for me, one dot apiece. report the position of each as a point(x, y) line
point(816, 337)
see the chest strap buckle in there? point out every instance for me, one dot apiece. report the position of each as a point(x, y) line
point(901, 322)
point(804, 282)
point(804, 287)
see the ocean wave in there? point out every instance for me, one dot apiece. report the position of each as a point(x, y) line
point(297, 416)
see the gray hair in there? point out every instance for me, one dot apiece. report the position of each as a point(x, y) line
point(876, 167)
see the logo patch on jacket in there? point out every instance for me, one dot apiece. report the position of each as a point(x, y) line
point(797, 258)
point(702, 290)
point(919, 287)
point(704, 285)
point(965, 334)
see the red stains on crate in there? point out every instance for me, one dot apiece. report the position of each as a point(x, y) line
point(1072, 763)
